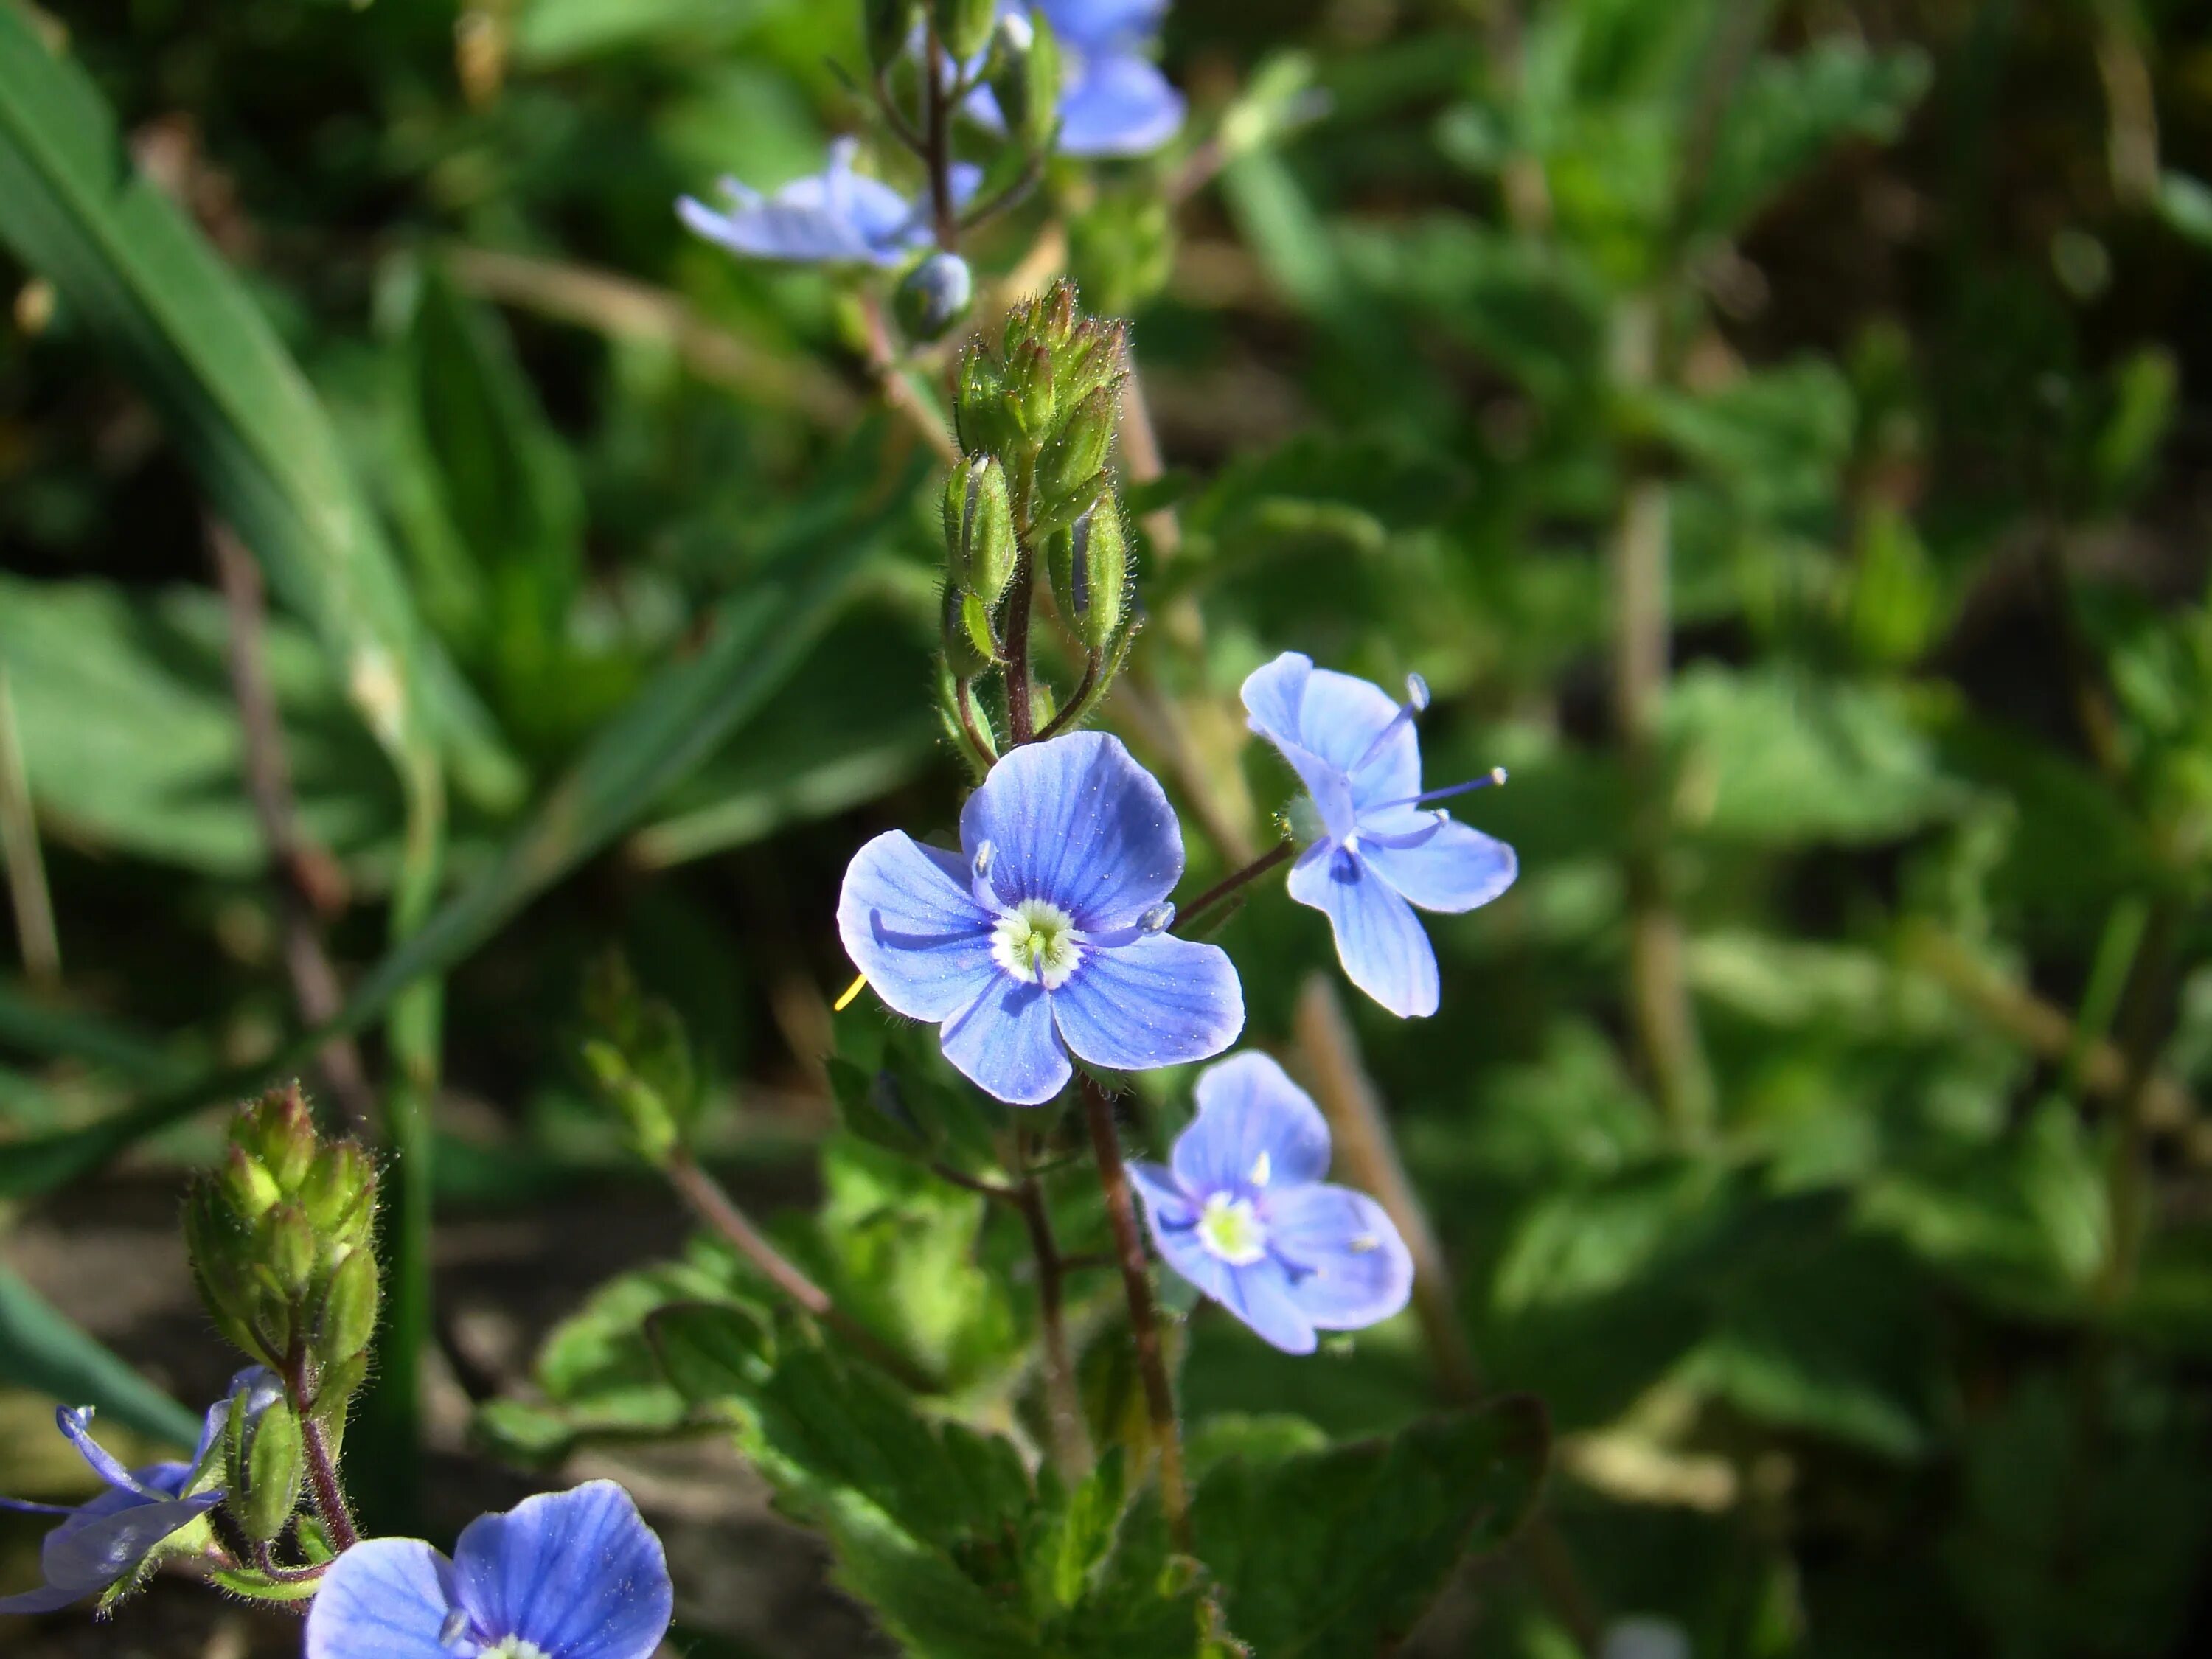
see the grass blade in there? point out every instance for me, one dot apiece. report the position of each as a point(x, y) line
point(41, 1350)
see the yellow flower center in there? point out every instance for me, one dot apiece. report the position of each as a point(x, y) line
point(1231, 1230)
point(1035, 942)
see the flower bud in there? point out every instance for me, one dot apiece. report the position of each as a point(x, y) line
point(247, 1187)
point(278, 1132)
point(969, 649)
point(963, 27)
point(1089, 562)
point(934, 297)
point(345, 1325)
point(1070, 468)
point(1029, 393)
point(263, 1458)
point(339, 1195)
point(1025, 78)
point(980, 408)
point(889, 26)
point(979, 528)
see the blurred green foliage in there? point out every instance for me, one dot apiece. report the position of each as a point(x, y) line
point(1814, 1129)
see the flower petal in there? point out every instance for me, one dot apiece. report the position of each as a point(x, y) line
point(1349, 1267)
point(1337, 718)
point(75, 1423)
point(107, 1541)
point(1090, 24)
point(910, 925)
point(1119, 104)
point(1378, 939)
point(1247, 1109)
point(1005, 1043)
point(1457, 868)
point(1166, 1203)
point(385, 1599)
point(1260, 1295)
point(1158, 1000)
point(1077, 822)
point(577, 1574)
point(838, 215)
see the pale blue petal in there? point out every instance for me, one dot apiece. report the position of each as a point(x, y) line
point(1272, 694)
point(577, 1574)
point(1455, 868)
point(910, 923)
point(1173, 1224)
point(1248, 1107)
point(1090, 25)
point(75, 1423)
point(386, 1599)
point(1378, 938)
point(107, 1540)
point(1260, 1295)
point(1119, 104)
point(1165, 1201)
point(45, 1599)
point(1349, 1268)
point(1079, 823)
point(837, 217)
point(1336, 718)
point(1007, 1045)
point(1158, 1000)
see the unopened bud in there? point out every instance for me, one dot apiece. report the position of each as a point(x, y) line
point(1025, 78)
point(970, 650)
point(248, 1189)
point(963, 27)
point(980, 409)
point(979, 529)
point(889, 26)
point(1072, 464)
point(339, 1194)
point(1029, 392)
point(1089, 567)
point(345, 1325)
point(263, 1459)
point(934, 297)
point(279, 1132)
point(285, 1250)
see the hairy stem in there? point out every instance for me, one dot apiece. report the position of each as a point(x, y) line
point(1230, 885)
point(323, 1482)
point(308, 882)
point(720, 1212)
point(937, 138)
point(1144, 1319)
point(1071, 1444)
point(1021, 711)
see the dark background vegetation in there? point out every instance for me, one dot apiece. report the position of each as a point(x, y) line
point(1814, 1127)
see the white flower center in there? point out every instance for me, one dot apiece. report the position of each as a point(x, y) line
point(513, 1647)
point(1035, 942)
point(1231, 1230)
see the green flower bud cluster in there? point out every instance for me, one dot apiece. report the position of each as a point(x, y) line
point(1034, 501)
point(281, 1239)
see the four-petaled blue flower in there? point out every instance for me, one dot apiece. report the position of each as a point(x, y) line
point(572, 1574)
point(104, 1542)
point(838, 217)
point(1244, 1215)
point(1380, 850)
point(1046, 932)
point(1115, 102)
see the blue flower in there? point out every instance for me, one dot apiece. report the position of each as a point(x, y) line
point(1116, 100)
point(1244, 1215)
point(839, 217)
point(1379, 852)
point(572, 1574)
point(1046, 932)
point(104, 1542)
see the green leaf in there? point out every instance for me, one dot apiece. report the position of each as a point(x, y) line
point(758, 637)
point(1341, 1552)
point(137, 273)
point(41, 1349)
point(1790, 112)
point(549, 33)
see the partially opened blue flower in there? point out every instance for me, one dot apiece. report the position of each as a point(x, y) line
point(1244, 1215)
point(837, 217)
point(1116, 101)
point(571, 1575)
point(1046, 932)
point(103, 1543)
point(1382, 850)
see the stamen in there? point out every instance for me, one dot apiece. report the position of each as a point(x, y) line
point(1158, 919)
point(1263, 1167)
point(1417, 699)
point(451, 1633)
point(1365, 1244)
point(1489, 780)
point(852, 991)
point(979, 876)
